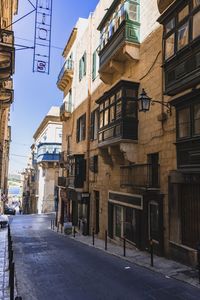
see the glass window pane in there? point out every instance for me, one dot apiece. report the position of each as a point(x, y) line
point(133, 12)
point(196, 25)
point(196, 3)
point(101, 120)
point(112, 99)
point(183, 36)
point(119, 95)
point(118, 109)
point(197, 118)
point(169, 46)
point(130, 93)
point(170, 25)
point(184, 122)
point(106, 117)
point(183, 13)
point(112, 113)
point(101, 106)
point(107, 103)
point(131, 108)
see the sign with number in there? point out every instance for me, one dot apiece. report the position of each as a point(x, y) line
point(42, 41)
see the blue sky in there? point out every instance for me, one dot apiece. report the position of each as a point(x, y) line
point(35, 93)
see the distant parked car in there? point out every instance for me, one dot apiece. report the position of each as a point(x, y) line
point(9, 210)
point(3, 220)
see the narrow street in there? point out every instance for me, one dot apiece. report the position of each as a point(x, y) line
point(53, 266)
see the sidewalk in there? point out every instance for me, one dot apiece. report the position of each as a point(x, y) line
point(169, 268)
point(4, 273)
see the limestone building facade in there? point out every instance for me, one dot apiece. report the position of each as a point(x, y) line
point(7, 62)
point(119, 165)
point(46, 151)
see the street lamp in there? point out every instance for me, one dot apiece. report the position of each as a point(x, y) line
point(144, 102)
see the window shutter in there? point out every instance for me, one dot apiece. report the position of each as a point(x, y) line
point(78, 130)
point(80, 70)
point(84, 64)
point(92, 118)
point(94, 66)
point(84, 126)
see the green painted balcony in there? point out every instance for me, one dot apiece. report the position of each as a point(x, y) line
point(119, 39)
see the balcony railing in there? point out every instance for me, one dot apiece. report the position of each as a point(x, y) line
point(63, 159)
point(6, 54)
point(140, 175)
point(65, 110)
point(66, 74)
point(62, 181)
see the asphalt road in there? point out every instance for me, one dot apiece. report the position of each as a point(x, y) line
point(50, 266)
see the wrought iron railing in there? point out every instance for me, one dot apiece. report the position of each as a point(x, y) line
point(140, 175)
point(68, 66)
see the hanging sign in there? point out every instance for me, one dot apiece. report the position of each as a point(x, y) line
point(42, 41)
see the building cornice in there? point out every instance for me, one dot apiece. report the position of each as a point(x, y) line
point(70, 42)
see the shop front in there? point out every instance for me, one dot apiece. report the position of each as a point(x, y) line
point(136, 217)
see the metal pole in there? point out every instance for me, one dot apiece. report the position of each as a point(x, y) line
point(124, 243)
point(106, 240)
point(93, 236)
point(74, 231)
point(53, 224)
point(12, 279)
point(151, 251)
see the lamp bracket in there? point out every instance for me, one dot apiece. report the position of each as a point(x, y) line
point(163, 103)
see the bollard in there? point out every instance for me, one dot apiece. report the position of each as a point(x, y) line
point(198, 259)
point(11, 281)
point(61, 228)
point(124, 244)
point(106, 239)
point(51, 224)
point(151, 251)
point(93, 236)
point(57, 227)
point(74, 231)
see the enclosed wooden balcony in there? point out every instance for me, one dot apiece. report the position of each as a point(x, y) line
point(119, 42)
point(66, 75)
point(62, 181)
point(7, 54)
point(118, 115)
point(140, 176)
point(65, 111)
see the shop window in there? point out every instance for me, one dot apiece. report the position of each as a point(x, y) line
point(81, 128)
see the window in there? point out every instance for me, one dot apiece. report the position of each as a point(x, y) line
point(182, 28)
point(94, 124)
point(82, 66)
point(183, 35)
point(196, 25)
point(95, 65)
point(197, 118)
point(188, 121)
point(184, 123)
point(81, 128)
